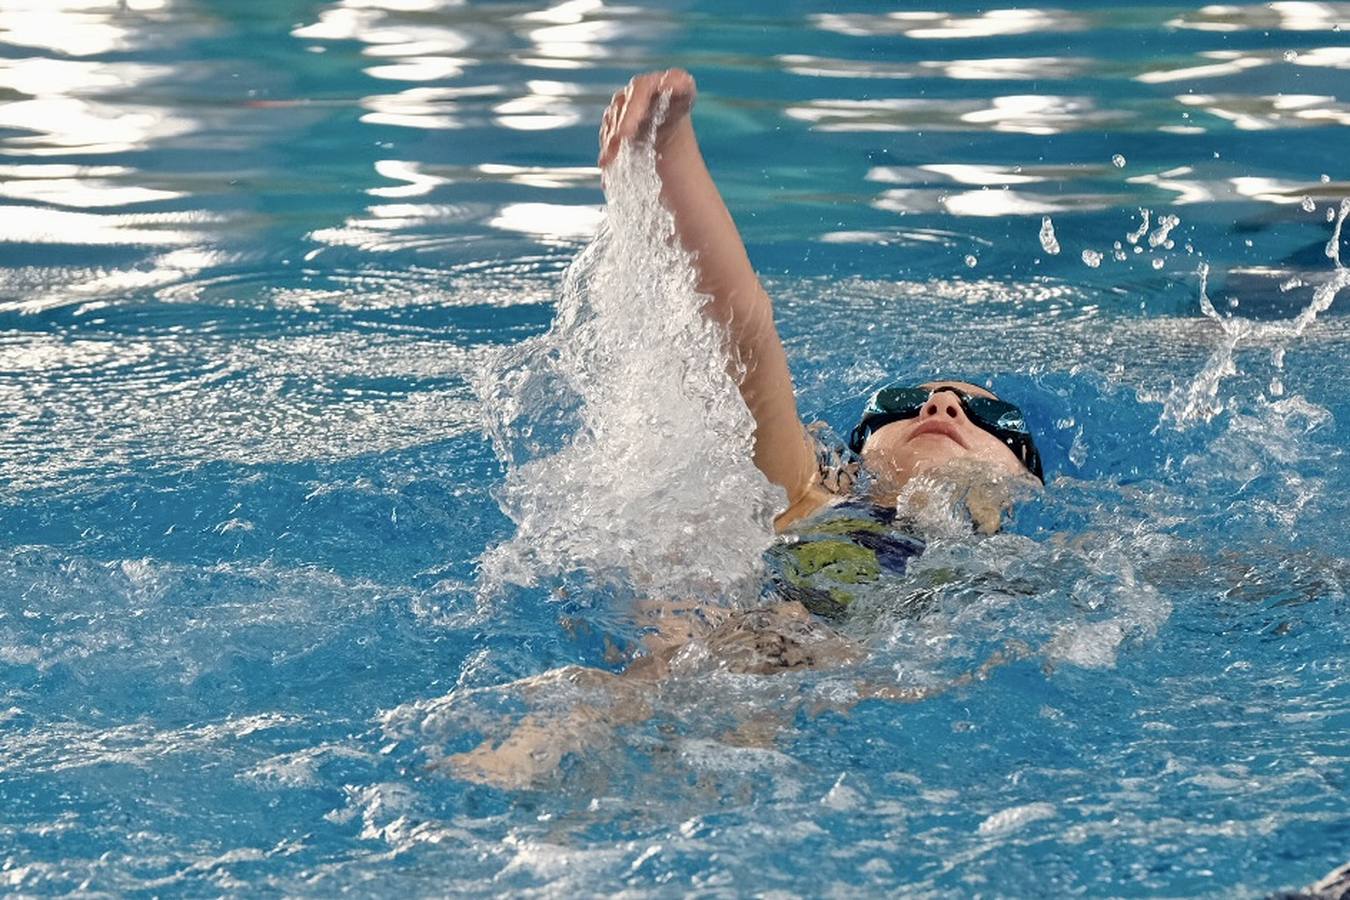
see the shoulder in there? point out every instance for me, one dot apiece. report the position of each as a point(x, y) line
point(836, 472)
point(807, 505)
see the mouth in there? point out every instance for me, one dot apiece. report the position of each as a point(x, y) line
point(941, 428)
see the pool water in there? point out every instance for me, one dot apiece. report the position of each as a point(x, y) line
point(299, 479)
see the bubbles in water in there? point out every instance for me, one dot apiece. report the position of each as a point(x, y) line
point(1308, 204)
point(1092, 259)
point(1118, 161)
point(1157, 263)
point(1049, 243)
point(1290, 56)
point(971, 260)
point(1325, 178)
point(627, 443)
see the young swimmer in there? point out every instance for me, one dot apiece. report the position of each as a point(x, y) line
point(905, 430)
point(840, 537)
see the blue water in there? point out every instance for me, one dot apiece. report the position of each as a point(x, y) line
point(256, 257)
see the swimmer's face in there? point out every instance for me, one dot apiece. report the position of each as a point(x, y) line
point(941, 433)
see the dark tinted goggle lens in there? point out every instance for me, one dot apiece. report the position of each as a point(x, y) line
point(902, 402)
point(992, 414)
point(998, 417)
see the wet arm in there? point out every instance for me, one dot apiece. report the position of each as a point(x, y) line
point(782, 449)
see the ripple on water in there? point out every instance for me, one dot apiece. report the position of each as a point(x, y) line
point(252, 262)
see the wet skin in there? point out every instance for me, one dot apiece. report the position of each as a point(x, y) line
point(940, 434)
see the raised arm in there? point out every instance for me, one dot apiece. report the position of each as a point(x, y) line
point(783, 451)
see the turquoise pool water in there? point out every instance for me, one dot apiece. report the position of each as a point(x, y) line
point(266, 267)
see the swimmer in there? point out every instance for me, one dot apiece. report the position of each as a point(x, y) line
point(905, 430)
point(949, 430)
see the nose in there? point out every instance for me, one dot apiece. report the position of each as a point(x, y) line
point(943, 403)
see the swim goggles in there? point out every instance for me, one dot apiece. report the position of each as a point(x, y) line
point(998, 417)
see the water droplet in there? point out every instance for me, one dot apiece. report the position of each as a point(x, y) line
point(1049, 243)
point(1232, 303)
point(1247, 242)
point(1157, 263)
point(1290, 56)
point(971, 260)
point(1118, 161)
point(1134, 236)
point(1092, 259)
point(1308, 204)
point(1331, 214)
point(1325, 179)
point(1165, 226)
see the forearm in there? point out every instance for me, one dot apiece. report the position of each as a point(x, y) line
point(782, 449)
point(737, 301)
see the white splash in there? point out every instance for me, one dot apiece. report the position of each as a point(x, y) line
point(1092, 259)
point(1333, 249)
point(1199, 400)
point(627, 444)
point(1011, 819)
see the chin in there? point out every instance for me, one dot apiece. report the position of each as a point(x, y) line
point(962, 469)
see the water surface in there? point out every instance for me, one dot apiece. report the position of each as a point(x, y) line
point(255, 259)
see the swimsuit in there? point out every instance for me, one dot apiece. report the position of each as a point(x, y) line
point(825, 562)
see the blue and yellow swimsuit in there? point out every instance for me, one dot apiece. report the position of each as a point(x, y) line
point(824, 562)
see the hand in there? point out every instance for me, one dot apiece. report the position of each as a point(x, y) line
point(629, 116)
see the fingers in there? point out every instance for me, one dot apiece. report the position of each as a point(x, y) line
point(628, 116)
point(610, 137)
